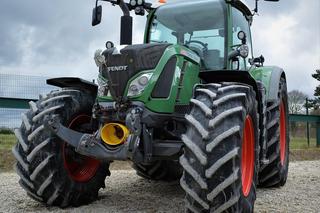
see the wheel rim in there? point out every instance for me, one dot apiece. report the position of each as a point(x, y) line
point(283, 134)
point(80, 168)
point(247, 156)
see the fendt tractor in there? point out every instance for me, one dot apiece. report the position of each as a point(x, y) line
point(191, 103)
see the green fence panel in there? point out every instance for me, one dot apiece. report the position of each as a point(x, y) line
point(308, 119)
point(14, 103)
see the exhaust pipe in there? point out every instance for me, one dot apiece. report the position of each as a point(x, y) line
point(114, 134)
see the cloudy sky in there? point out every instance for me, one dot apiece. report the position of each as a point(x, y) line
point(55, 38)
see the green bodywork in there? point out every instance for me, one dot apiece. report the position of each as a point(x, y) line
point(262, 74)
point(192, 69)
point(190, 78)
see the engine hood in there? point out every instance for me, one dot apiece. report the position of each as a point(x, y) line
point(122, 65)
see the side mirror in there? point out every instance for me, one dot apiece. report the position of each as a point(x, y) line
point(96, 15)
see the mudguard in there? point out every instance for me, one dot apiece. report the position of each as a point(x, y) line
point(270, 76)
point(75, 83)
point(231, 76)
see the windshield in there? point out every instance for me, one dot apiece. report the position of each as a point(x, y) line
point(199, 25)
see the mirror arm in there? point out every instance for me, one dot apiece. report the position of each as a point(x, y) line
point(124, 7)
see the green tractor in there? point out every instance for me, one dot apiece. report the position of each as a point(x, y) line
point(191, 103)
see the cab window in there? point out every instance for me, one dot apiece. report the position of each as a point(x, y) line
point(199, 26)
point(240, 23)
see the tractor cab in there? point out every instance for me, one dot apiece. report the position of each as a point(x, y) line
point(204, 28)
point(208, 28)
point(199, 26)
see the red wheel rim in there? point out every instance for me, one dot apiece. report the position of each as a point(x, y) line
point(283, 134)
point(247, 156)
point(84, 168)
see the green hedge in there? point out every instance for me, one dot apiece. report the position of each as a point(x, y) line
point(6, 131)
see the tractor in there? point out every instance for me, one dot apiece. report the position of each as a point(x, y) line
point(190, 104)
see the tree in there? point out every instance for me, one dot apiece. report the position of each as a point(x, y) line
point(315, 103)
point(317, 77)
point(297, 101)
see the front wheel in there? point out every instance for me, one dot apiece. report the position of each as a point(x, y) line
point(51, 171)
point(220, 159)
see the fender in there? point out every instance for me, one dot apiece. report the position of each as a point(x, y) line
point(245, 78)
point(231, 76)
point(75, 83)
point(270, 76)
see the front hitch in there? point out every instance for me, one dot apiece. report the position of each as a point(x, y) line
point(91, 145)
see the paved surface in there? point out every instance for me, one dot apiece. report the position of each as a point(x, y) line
point(127, 192)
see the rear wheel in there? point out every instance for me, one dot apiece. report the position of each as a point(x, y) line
point(51, 171)
point(276, 172)
point(160, 170)
point(220, 159)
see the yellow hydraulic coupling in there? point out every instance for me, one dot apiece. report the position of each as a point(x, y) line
point(114, 134)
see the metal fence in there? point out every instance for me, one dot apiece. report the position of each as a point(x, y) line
point(15, 92)
point(14, 89)
point(304, 131)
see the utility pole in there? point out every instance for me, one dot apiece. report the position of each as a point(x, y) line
point(308, 131)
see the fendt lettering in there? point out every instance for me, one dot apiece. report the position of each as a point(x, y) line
point(117, 68)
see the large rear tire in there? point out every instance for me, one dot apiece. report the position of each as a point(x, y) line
point(50, 171)
point(160, 170)
point(221, 151)
point(275, 173)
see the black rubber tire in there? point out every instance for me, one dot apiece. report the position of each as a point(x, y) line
point(39, 156)
point(275, 174)
point(213, 146)
point(160, 170)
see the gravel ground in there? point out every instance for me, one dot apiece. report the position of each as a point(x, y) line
point(127, 192)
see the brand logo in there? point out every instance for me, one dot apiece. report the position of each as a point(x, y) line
point(117, 68)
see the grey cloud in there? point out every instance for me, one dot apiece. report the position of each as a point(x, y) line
point(299, 36)
point(9, 53)
point(307, 29)
point(54, 31)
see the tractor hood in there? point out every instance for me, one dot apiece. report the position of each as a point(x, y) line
point(122, 65)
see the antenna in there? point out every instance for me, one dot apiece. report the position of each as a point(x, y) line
point(256, 9)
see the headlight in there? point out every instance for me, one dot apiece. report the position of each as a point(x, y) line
point(102, 86)
point(138, 85)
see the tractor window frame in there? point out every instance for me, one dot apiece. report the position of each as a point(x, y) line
point(246, 24)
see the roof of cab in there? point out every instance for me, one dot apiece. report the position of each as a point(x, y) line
point(240, 4)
